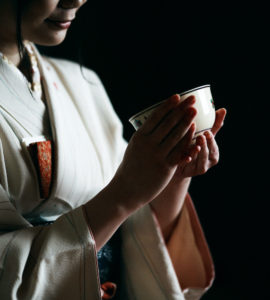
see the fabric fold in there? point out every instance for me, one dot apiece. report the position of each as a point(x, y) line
point(189, 251)
point(146, 253)
point(61, 254)
point(147, 262)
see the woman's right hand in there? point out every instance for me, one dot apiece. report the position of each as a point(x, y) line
point(155, 151)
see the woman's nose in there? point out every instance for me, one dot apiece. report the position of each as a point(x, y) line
point(71, 3)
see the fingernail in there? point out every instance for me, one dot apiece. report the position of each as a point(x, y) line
point(188, 159)
point(177, 96)
point(192, 112)
point(192, 99)
point(174, 99)
point(202, 139)
point(207, 134)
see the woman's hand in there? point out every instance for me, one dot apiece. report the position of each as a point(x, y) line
point(150, 161)
point(199, 158)
point(155, 151)
point(205, 153)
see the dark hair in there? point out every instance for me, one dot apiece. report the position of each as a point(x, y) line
point(19, 37)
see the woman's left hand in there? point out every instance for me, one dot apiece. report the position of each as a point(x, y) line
point(200, 157)
point(205, 153)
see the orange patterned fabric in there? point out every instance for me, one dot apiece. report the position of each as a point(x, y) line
point(108, 290)
point(41, 153)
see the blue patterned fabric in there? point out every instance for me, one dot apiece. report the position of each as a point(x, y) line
point(109, 260)
point(109, 256)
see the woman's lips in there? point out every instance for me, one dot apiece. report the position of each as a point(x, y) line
point(63, 24)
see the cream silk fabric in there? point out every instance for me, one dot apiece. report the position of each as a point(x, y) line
point(58, 261)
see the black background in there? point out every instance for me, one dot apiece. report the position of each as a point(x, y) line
point(144, 53)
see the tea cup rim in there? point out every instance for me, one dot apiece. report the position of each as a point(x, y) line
point(157, 104)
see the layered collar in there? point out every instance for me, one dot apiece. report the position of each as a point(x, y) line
point(34, 84)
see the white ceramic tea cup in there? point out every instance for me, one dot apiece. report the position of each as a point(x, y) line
point(204, 105)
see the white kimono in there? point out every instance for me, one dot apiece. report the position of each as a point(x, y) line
point(59, 261)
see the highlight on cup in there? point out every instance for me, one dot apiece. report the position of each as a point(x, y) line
point(205, 118)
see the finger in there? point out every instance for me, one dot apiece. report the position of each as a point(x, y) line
point(180, 153)
point(202, 159)
point(187, 140)
point(213, 148)
point(193, 152)
point(191, 158)
point(220, 116)
point(172, 119)
point(178, 132)
point(188, 149)
point(159, 113)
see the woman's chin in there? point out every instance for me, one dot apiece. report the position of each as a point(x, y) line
point(50, 40)
point(46, 34)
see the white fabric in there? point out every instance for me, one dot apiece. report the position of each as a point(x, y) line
point(146, 260)
point(59, 260)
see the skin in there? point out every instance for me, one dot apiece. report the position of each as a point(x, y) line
point(159, 148)
point(202, 156)
point(35, 28)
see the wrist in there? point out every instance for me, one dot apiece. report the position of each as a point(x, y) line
point(105, 213)
point(181, 181)
point(123, 199)
point(174, 195)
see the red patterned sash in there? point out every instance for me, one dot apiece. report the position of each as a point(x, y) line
point(42, 156)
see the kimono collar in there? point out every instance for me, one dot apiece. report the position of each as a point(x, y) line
point(35, 84)
point(19, 104)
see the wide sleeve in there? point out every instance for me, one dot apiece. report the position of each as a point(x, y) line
point(151, 266)
point(56, 261)
point(189, 252)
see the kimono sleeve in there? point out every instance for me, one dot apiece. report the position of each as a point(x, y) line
point(56, 261)
point(151, 266)
point(187, 233)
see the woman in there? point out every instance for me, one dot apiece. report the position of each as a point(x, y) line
point(69, 180)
